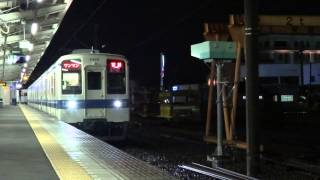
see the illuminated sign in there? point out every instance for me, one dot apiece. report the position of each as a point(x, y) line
point(115, 66)
point(71, 64)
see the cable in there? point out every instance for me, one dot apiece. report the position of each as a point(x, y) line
point(83, 25)
point(71, 38)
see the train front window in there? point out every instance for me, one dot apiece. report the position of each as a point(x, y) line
point(116, 77)
point(94, 80)
point(71, 83)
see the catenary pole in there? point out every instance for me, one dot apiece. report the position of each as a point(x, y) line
point(250, 16)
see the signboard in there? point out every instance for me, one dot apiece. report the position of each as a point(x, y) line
point(217, 50)
point(115, 66)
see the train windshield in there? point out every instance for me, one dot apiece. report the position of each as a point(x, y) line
point(71, 77)
point(116, 77)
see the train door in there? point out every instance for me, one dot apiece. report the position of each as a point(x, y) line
point(95, 92)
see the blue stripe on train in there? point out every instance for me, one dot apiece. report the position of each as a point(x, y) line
point(81, 104)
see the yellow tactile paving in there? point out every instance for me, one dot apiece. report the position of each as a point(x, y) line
point(64, 166)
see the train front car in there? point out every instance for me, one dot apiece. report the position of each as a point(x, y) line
point(95, 94)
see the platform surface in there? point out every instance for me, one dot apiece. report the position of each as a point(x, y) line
point(74, 154)
point(21, 155)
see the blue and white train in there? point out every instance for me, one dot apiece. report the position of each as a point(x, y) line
point(89, 90)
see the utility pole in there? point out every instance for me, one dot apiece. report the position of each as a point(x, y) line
point(250, 15)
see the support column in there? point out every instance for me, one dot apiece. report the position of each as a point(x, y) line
point(250, 7)
point(219, 151)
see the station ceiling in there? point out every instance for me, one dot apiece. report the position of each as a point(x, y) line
point(21, 50)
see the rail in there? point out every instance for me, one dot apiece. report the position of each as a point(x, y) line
point(219, 173)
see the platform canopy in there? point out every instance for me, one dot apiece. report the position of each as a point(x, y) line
point(27, 27)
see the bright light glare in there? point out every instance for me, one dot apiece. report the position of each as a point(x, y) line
point(174, 88)
point(18, 86)
point(28, 57)
point(39, 1)
point(72, 104)
point(25, 65)
point(117, 103)
point(30, 48)
point(34, 28)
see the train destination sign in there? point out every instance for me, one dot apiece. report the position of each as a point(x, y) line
point(71, 64)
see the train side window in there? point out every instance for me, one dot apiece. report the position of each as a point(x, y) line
point(71, 82)
point(94, 80)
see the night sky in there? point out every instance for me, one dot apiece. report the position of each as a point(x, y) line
point(140, 30)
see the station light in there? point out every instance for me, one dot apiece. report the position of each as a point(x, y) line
point(24, 70)
point(30, 48)
point(25, 65)
point(34, 28)
point(18, 86)
point(55, 28)
point(25, 78)
point(28, 57)
point(39, 1)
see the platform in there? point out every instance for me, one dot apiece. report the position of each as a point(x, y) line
point(51, 149)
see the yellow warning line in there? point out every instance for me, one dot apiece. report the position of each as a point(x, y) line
point(65, 167)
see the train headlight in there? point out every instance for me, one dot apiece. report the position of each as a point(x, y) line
point(117, 103)
point(72, 104)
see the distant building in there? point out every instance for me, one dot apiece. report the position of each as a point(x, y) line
point(288, 58)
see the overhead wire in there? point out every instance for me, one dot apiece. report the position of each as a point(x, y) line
point(68, 40)
point(84, 24)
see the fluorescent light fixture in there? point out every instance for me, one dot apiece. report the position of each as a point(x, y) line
point(30, 48)
point(28, 57)
point(24, 44)
point(18, 86)
point(55, 26)
point(39, 1)
point(34, 28)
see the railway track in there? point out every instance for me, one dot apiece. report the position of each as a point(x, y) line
point(218, 173)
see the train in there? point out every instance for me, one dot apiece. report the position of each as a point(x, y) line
point(88, 90)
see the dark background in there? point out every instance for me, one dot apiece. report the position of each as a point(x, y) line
point(142, 29)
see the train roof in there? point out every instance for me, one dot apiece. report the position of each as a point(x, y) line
point(95, 53)
point(79, 53)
